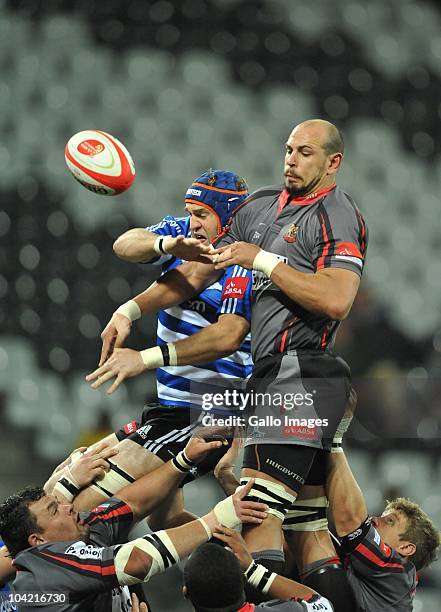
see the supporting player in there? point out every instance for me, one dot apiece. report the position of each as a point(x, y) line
point(86, 558)
point(382, 553)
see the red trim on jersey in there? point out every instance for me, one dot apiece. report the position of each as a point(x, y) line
point(321, 259)
point(285, 334)
point(325, 335)
point(247, 607)
point(285, 198)
point(364, 550)
point(125, 509)
point(283, 340)
point(96, 569)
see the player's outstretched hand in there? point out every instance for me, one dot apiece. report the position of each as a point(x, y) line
point(122, 364)
point(114, 335)
point(188, 249)
point(197, 447)
point(235, 543)
point(92, 464)
point(238, 253)
point(248, 511)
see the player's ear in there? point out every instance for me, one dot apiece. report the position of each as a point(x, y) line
point(35, 539)
point(334, 162)
point(407, 549)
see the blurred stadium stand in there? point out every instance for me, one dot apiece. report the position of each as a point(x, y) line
point(217, 83)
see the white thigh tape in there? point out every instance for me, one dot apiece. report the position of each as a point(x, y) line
point(307, 515)
point(158, 546)
point(114, 480)
point(66, 487)
point(272, 494)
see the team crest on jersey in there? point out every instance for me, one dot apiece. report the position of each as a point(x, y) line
point(291, 234)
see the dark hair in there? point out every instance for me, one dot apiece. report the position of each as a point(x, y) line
point(16, 520)
point(214, 579)
point(420, 530)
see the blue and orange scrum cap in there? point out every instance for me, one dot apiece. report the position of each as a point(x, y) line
point(220, 191)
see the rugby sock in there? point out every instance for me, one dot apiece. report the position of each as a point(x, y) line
point(328, 577)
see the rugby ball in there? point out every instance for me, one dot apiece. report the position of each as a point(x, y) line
point(100, 162)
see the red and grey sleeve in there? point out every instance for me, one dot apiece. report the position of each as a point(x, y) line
point(341, 240)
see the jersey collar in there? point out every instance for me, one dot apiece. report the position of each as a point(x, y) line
point(285, 198)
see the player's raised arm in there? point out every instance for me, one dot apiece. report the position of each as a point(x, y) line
point(330, 291)
point(346, 500)
point(139, 560)
point(213, 342)
point(171, 289)
point(140, 245)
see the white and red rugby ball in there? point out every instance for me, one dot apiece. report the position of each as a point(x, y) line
point(100, 162)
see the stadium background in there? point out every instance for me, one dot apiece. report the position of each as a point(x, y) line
point(216, 83)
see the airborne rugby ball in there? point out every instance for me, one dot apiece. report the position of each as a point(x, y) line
point(100, 162)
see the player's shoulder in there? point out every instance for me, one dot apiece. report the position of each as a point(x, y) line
point(113, 509)
point(340, 207)
point(170, 222)
point(262, 195)
point(339, 200)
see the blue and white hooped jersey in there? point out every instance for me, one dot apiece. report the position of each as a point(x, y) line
point(179, 385)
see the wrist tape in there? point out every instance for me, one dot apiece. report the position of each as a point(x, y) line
point(159, 356)
point(265, 262)
point(182, 462)
point(129, 309)
point(226, 513)
point(159, 245)
point(206, 527)
point(342, 428)
point(259, 577)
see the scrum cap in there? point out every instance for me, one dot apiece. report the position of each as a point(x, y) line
point(220, 191)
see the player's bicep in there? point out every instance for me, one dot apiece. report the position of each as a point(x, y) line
point(345, 284)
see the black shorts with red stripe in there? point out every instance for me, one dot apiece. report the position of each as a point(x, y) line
point(298, 397)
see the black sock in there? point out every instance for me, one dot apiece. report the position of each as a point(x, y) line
point(330, 580)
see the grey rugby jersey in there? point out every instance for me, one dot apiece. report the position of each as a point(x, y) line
point(322, 230)
point(83, 570)
point(379, 577)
